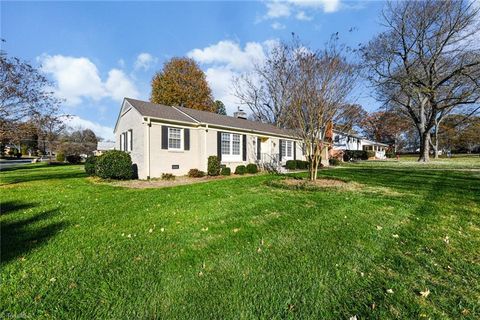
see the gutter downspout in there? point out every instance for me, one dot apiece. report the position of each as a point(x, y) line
point(149, 125)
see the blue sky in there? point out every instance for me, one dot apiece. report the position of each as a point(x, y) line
point(96, 53)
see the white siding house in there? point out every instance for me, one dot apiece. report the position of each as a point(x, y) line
point(165, 139)
point(346, 141)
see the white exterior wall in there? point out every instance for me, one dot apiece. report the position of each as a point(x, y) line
point(152, 160)
point(132, 120)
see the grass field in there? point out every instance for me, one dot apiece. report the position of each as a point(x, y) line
point(239, 248)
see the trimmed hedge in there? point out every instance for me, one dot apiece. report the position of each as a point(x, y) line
point(213, 166)
point(251, 168)
point(60, 157)
point(241, 169)
point(302, 165)
point(114, 164)
point(226, 171)
point(291, 164)
point(90, 165)
point(334, 161)
point(355, 155)
point(195, 173)
point(390, 155)
point(74, 159)
point(370, 154)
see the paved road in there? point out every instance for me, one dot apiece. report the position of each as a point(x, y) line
point(11, 163)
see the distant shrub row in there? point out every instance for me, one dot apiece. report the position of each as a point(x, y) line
point(296, 164)
point(349, 155)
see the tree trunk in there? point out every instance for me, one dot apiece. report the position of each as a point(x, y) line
point(424, 147)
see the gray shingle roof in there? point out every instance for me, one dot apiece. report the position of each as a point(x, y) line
point(148, 109)
point(153, 110)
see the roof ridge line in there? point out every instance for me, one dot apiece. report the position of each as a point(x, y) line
point(184, 113)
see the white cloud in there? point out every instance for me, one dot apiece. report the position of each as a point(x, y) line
point(229, 53)
point(118, 85)
point(286, 8)
point(78, 78)
point(145, 61)
point(77, 123)
point(277, 9)
point(278, 26)
point(301, 15)
point(226, 60)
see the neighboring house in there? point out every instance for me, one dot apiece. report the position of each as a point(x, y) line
point(164, 139)
point(103, 146)
point(347, 141)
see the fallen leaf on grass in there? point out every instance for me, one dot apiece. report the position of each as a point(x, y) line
point(389, 291)
point(379, 227)
point(395, 235)
point(425, 293)
point(236, 230)
point(353, 318)
point(446, 240)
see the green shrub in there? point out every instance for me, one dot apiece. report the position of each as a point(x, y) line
point(349, 155)
point(291, 165)
point(90, 165)
point(251, 168)
point(390, 154)
point(241, 169)
point(302, 165)
point(370, 154)
point(195, 173)
point(334, 161)
point(213, 166)
point(60, 157)
point(225, 171)
point(74, 159)
point(168, 176)
point(114, 164)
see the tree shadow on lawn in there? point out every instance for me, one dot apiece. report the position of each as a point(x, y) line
point(12, 206)
point(410, 180)
point(21, 236)
point(40, 175)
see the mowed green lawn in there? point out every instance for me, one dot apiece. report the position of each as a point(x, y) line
point(239, 248)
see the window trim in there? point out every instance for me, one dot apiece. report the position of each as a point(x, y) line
point(284, 149)
point(230, 157)
point(181, 148)
point(129, 135)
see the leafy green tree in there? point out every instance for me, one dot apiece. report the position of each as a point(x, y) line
point(220, 107)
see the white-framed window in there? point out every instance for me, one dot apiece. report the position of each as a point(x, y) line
point(225, 143)
point(231, 146)
point(287, 149)
point(129, 140)
point(175, 138)
point(235, 144)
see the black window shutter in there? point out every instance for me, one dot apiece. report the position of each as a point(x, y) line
point(259, 148)
point(219, 145)
point(244, 147)
point(280, 147)
point(294, 150)
point(303, 149)
point(164, 137)
point(125, 141)
point(186, 139)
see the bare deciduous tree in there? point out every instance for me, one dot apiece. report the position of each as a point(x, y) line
point(267, 90)
point(323, 81)
point(424, 64)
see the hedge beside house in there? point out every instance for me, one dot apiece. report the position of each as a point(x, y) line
point(114, 164)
